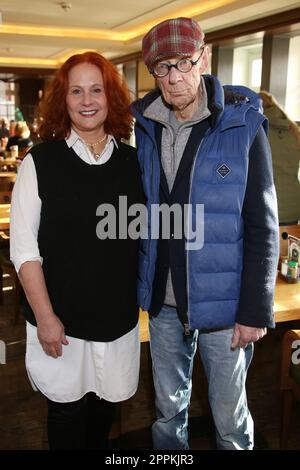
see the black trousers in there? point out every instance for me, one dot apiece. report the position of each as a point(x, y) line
point(82, 424)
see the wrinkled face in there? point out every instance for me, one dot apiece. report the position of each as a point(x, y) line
point(180, 89)
point(86, 99)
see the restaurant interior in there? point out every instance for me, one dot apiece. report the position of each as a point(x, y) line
point(254, 43)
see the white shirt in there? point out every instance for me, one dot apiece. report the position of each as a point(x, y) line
point(109, 369)
point(26, 203)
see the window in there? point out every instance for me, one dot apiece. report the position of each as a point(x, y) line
point(247, 66)
point(256, 68)
point(7, 100)
point(292, 102)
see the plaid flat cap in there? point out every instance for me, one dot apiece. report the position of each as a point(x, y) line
point(173, 37)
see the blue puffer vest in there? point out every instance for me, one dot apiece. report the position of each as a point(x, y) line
point(218, 180)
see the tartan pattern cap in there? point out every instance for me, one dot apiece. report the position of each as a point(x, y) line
point(173, 37)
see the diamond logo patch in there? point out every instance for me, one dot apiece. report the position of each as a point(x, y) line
point(223, 170)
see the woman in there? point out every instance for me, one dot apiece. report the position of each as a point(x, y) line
point(4, 128)
point(284, 137)
point(21, 138)
point(81, 311)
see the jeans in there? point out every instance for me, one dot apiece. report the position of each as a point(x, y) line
point(226, 370)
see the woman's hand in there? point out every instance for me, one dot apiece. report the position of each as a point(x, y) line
point(51, 335)
point(50, 330)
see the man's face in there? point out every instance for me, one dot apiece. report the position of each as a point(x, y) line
point(180, 89)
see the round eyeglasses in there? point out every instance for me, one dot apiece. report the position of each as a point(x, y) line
point(161, 69)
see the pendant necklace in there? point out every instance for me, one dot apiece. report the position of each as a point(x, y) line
point(94, 144)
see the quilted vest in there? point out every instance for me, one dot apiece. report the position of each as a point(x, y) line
point(218, 180)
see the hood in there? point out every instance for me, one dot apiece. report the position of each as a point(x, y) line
point(142, 104)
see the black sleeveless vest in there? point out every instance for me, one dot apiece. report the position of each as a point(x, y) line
point(91, 282)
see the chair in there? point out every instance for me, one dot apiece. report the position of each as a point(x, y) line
point(6, 267)
point(284, 231)
point(5, 197)
point(6, 187)
point(7, 181)
point(289, 380)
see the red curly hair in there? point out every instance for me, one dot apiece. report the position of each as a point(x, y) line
point(56, 122)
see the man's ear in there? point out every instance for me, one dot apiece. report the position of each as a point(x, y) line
point(204, 60)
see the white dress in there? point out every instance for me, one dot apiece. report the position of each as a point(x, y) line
point(110, 369)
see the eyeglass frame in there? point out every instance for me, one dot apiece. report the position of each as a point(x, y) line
point(169, 66)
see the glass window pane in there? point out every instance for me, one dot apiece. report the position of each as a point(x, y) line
point(292, 103)
point(247, 63)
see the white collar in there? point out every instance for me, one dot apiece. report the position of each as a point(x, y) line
point(74, 137)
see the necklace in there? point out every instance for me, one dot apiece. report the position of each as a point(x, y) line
point(94, 144)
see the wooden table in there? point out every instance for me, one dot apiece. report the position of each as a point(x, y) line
point(144, 326)
point(286, 306)
point(8, 174)
point(4, 216)
point(287, 301)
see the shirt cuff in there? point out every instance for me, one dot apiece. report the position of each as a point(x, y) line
point(23, 258)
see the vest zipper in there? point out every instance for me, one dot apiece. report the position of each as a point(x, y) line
point(173, 155)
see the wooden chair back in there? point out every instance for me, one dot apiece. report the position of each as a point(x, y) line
point(7, 182)
point(284, 231)
point(5, 197)
point(289, 383)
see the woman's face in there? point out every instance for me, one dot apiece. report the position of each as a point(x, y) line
point(3, 143)
point(86, 99)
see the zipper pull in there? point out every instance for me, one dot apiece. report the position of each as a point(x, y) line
point(187, 331)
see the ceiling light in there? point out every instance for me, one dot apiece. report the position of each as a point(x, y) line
point(65, 6)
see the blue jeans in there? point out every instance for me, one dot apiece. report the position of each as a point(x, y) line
point(226, 370)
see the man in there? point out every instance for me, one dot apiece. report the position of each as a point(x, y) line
point(199, 144)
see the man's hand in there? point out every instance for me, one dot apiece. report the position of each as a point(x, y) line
point(242, 335)
point(51, 335)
